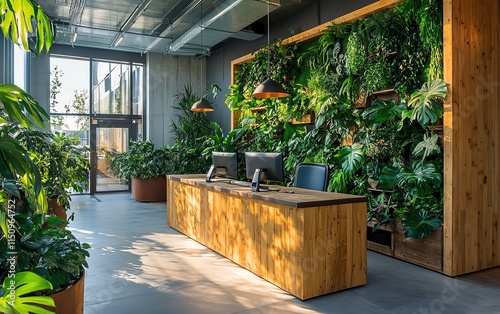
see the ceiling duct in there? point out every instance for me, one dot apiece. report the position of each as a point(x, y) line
point(226, 20)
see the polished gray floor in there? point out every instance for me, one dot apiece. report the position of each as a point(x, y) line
point(140, 265)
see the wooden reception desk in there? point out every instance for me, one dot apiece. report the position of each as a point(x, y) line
point(308, 243)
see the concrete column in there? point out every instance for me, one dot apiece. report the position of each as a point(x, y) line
point(166, 77)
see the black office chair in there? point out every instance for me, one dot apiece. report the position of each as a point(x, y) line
point(312, 176)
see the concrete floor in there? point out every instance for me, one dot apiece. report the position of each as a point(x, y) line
point(140, 265)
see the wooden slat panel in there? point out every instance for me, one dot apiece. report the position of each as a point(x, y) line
point(471, 141)
point(358, 238)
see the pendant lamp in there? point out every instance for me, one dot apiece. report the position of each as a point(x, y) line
point(269, 88)
point(201, 105)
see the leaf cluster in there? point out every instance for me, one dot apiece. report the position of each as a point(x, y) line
point(47, 250)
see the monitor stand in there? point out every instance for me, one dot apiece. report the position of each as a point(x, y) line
point(256, 180)
point(210, 173)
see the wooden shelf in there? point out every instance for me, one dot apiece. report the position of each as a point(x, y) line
point(386, 94)
point(381, 191)
point(305, 119)
point(384, 91)
point(392, 54)
point(258, 109)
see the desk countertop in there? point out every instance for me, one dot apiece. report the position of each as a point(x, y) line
point(288, 196)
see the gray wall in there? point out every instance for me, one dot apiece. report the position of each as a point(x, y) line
point(166, 76)
point(219, 63)
point(6, 69)
point(39, 79)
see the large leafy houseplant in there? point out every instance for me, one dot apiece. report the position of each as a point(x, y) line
point(146, 166)
point(142, 160)
point(46, 249)
point(23, 201)
point(62, 163)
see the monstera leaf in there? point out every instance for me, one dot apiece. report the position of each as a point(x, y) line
point(418, 223)
point(426, 103)
point(15, 289)
point(352, 158)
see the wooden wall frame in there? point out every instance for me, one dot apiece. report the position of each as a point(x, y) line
point(471, 32)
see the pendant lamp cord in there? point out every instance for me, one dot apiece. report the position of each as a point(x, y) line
point(201, 48)
point(268, 43)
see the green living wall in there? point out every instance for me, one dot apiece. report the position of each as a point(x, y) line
point(375, 91)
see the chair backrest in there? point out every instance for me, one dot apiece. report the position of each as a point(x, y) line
point(312, 176)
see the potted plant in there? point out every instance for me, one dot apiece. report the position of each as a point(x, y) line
point(23, 201)
point(62, 163)
point(147, 167)
point(52, 253)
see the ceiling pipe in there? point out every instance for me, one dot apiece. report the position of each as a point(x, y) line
point(187, 10)
point(208, 19)
point(135, 15)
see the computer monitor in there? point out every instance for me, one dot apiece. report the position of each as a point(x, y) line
point(224, 164)
point(263, 166)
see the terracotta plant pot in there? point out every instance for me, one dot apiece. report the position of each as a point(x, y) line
point(71, 300)
point(57, 209)
point(149, 190)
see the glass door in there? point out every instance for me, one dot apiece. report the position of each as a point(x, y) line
point(108, 138)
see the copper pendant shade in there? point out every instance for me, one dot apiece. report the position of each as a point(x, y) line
point(202, 105)
point(270, 89)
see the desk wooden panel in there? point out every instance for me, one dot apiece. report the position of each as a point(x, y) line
point(308, 243)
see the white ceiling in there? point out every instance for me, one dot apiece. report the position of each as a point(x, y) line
point(162, 26)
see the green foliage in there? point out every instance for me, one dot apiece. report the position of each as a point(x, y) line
point(49, 251)
point(142, 161)
point(418, 223)
point(387, 178)
point(399, 48)
point(426, 103)
point(62, 162)
point(430, 22)
point(220, 143)
point(419, 179)
point(378, 75)
point(16, 22)
point(427, 147)
point(381, 210)
point(191, 127)
point(23, 301)
point(352, 158)
point(382, 111)
point(336, 119)
point(356, 54)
